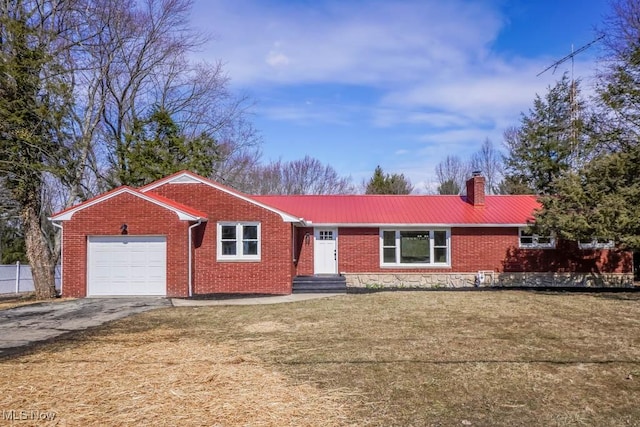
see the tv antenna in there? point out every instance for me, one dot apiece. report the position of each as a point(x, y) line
point(573, 88)
point(569, 57)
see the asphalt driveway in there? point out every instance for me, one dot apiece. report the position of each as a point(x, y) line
point(24, 326)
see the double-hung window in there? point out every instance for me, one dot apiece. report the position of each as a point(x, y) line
point(596, 244)
point(415, 248)
point(530, 240)
point(238, 241)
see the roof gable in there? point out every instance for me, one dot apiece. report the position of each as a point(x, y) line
point(186, 177)
point(185, 213)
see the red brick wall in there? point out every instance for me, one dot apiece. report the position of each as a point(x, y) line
point(358, 250)
point(105, 219)
point(475, 190)
point(474, 249)
point(271, 275)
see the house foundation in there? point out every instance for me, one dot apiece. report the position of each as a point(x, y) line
point(487, 279)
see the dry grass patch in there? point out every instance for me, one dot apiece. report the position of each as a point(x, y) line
point(414, 358)
point(154, 375)
point(265, 327)
point(11, 301)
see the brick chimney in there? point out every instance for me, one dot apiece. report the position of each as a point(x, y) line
point(475, 189)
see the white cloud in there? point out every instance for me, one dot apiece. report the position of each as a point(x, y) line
point(429, 69)
point(400, 114)
point(306, 113)
point(344, 41)
point(277, 59)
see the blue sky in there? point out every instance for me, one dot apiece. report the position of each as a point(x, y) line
point(400, 84)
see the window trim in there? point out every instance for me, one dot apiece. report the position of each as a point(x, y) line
point(597, 244)
point(239, 256)
point(534, 240)
point(398, 264)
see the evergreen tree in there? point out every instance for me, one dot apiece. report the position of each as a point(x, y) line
point(12, 244)
point(381, 183)
point(601, 199)
point(377, 183)
point(449, 187)
point(550, 141)
point(156, 147)
point(513, 185)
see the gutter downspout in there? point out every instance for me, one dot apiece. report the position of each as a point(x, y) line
point(55, 224)
point(191, 227)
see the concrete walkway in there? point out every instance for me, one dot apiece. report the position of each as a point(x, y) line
point(23, 326)
point(278, 299)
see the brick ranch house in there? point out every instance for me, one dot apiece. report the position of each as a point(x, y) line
point(185, 235)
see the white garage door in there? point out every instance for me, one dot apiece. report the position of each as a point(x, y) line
point(127, 265)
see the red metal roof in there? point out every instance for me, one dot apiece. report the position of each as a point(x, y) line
point(405, 209)
point(176, 205)
point(356, 209)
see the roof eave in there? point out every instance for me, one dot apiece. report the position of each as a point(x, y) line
point(435, 225)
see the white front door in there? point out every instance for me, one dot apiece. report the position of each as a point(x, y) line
point(325, 251)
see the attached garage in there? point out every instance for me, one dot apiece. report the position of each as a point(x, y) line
point(126, 265)
point(128, 243)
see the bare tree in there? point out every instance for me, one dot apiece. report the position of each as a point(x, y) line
point(304, 176)
point(451, 174)
point(488, 160)
point(90, 63)
point(617, 115)
point(236, 166)
point(133, 61)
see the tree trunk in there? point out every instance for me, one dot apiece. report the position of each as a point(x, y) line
point(38, 253)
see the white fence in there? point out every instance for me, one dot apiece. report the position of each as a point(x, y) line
point(16, 278)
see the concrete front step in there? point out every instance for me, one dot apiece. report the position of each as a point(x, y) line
point(319, 284)
point(320, 291)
